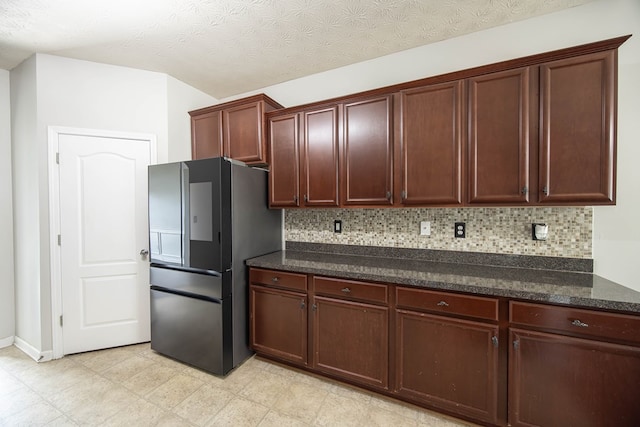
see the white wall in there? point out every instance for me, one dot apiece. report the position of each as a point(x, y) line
point(7, 298)
point(26, 207)
point(54, 91)
point(182, 98)
point(616, 246)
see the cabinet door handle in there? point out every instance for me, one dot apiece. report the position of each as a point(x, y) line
point(525, 190)
point(295, 199)
point(494, 340)
point(545, 190)
point(275, 279)
point(443, 304)
point(580, 324)
point(306, 199)
point(302, 304)
point(403, 195)
point(346, 290)
point(388, 195)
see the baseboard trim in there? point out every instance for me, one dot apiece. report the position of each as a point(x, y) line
point(32, 352)
point(7, 342)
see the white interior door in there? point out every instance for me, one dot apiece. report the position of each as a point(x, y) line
point(104, 278)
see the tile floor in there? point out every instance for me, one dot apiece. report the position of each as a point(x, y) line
point(135, 386)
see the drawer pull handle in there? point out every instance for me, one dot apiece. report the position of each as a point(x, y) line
point(275, 279)
point(579, 323)
point(346, 290)
point(443, 304)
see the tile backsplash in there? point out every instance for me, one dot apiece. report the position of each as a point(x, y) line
point(491, 230)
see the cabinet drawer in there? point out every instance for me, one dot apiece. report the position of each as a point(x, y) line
point(445, 302)
point(278, 279)
point(576, 321)
point(348, 289)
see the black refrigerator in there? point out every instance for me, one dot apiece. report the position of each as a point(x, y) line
point(206, 217)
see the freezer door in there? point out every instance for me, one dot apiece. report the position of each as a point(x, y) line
point(210, 285)
point(192, 330)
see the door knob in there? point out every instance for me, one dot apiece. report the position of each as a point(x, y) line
point(144, 252)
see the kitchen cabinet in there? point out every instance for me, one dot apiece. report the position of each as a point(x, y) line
point(572, 367)
point(235, 129)
point(578, 122)
point(284, 169)
point(319, 156)
point(350, 330)
point(278, 314)
point(447, 351)
point(431, 145)
point(367, 152)
point(500, 137)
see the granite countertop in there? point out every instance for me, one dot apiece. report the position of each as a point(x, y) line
point(575, 288)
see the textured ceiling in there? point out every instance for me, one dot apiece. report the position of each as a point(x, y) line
point(226, 47)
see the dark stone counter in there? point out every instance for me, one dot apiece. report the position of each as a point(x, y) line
point(535, 280)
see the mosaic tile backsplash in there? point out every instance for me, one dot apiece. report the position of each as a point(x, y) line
point(491, 230)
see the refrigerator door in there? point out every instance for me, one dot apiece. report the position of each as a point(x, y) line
point(192, 330)
point(185, 203)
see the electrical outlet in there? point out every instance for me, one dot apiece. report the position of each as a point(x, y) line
point(337, 226)
point(460, 230)
point(425, 228)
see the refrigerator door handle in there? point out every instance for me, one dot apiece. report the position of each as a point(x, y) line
point(185, 294)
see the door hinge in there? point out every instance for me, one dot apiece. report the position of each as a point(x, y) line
point(59, 240)
point(58, 158)
point(61, 322)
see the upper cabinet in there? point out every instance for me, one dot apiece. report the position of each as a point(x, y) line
point(367, 158)
point(235, 129)
point(500, 136)
point(431, 145)
point(533, 131)
point(577, 126)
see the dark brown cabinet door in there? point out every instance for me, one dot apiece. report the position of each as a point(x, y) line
point(319, 156)
point(499, 127)
point(367, 158)
point(431, 152)
point(243, 133)
point(577, 139)
point(562, 381)
point(278, 323)
point(284, 175)
point(350, 340)
point(448, 363)
point(206, 135)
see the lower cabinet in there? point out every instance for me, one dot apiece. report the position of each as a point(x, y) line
point(278, 315)
point(446, 360)
point(350, 330)
point(561, 366)
point(350, 340)
point(557, 378)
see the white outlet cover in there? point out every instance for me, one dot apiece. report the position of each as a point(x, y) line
point(425, 228)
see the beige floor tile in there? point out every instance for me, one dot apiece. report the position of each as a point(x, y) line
point(102, 405)
point(137, 413)
point(174, 391)
point(126, 369)
point(401, 408)
point(147, 380)
point(352, 392)
point(13, 360)
point(40, 413)
point(275, 419)
point(99, 361)
point(82, 394)
point(9, 383)
point(54, 379)
point(342, 411)
point(378, 417)
point(301, 401)
point(239, 412)
point(18, 400)
point(237, 379)
point(203, 404)
point(265, 388)
point(62, 421)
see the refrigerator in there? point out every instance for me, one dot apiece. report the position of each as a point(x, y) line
point(206, 217)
